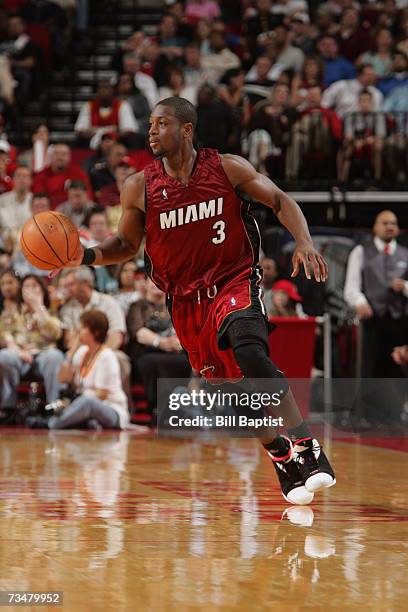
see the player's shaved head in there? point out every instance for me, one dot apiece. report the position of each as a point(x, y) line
point(183, 110)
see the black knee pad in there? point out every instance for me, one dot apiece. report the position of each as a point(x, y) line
point(249, 341)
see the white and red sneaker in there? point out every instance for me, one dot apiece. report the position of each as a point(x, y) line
point(313, 465)
point(290, 478)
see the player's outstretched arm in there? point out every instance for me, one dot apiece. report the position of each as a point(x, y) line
point(125, 244)
point(243, 176)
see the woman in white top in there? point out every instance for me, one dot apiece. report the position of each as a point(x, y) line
point(94, 372)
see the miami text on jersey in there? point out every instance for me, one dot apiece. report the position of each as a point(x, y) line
point(191, 213)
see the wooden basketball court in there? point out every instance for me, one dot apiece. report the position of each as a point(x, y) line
point(119, 522)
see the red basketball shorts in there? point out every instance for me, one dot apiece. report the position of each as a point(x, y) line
point(201, 326)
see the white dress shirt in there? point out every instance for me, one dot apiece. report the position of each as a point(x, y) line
point(14, 213)
point(342, 96)
point(353, 294)
point(148, 87)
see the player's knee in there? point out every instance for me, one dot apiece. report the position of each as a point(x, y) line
point(251, 358)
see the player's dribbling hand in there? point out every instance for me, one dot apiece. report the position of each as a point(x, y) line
point(311, 260)
point(75, 262)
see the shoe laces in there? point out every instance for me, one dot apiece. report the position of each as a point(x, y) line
point(305, 454)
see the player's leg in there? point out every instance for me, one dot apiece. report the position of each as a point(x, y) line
point(248, 338)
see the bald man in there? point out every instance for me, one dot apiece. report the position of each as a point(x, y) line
point(376, 288)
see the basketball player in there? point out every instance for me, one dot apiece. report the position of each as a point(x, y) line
point(202, 251)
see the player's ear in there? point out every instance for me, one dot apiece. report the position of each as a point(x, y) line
point(188, 130)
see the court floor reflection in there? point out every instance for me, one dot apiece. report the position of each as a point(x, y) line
point(123, 522)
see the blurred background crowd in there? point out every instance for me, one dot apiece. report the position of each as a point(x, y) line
point(313, 94)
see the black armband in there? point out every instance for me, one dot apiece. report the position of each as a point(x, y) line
point(88, 258)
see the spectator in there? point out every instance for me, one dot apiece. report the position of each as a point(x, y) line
point(78, 204)
point(101, 152)
point(300, 32)
point(144, 82)
point(397, 100)
point(194, 74)
point(134, 45)
point(343, 95)
point(170, 42)
point(364, 133)
point(38, 157)
point(93, 372)
point(105, 113)
point(395, 148)
point(127, 90)
point(15, 206)
point(270, 275)
point(262, 21)
point(40, 202)
point(219, 58)
point(127, 293)
point(311, 76)
point(109, 195)
point(154, 349)
point(315, 133)
point(398, 74)
point(6, 182)
point(79, 284)
point(403, 44)
point(376, 288)
point(184, 28)
point(28, 339)
point(202, 36)
point(336, 67)
point(202, 9)
point(381, 58)
point(279, 49)
point(9, 294)
point(215, 123)
point(56, 178)
point(103, 174)
point(176, 86)
point(259, 79)
point(354, 39)
point(286, 300)
point(232, 93)
point(269, 129)
point(22, 57)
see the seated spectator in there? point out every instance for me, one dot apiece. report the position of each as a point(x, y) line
point(105, 113)
point(353, 37)
point(103, 174)
point(6, 182)
point(101, 152)
point(127, 90)
point(127, 293)
point(194, 74)
point(219, 58)
point(145, 83)
point(92, 371)
point(202, 35)
point(259, 79)
point(28, 339)
point(15, 205)
point(260, 21)
point(270, 275)
point(170, 42)
point(381, 58)
point(314, 133)
point(231, 91)
point(40, 202)
point(286, 8)
point(364, 133)
point(183, 26)
point(300, 32)
point(99, 229)
point(78, 203)
point(269, 129)
point(395, 146)
point(176, 86)
point(22, 57)
point(286, 301)
point(343, 96)
point(202, 9)
point(79, 284)
point(38, 157)
point(398, 74)
point(397, 100)
point(133, 45)
point(311, 76)
point(154, 349)
point(109, 196)
point(278, 48)
point(336, 67)
point(56, 178)
point(9, 293)
point(215, 122)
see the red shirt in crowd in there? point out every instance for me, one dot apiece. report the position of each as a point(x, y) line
point(56, 184)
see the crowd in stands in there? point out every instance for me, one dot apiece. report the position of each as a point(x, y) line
point(287, 84)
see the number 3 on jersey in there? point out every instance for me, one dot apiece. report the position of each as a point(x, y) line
point(219, 227)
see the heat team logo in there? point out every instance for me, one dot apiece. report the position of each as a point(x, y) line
point(191, 213)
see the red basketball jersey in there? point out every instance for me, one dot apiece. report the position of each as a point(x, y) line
point(197, 235)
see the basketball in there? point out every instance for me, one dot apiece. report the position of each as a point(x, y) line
point(49, 240)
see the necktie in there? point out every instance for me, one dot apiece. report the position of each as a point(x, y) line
point(387, 249)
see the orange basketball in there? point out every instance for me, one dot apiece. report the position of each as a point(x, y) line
point(49, 240)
